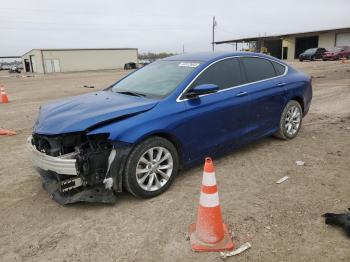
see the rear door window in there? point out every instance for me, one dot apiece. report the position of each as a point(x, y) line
point(258, 69)
point(225, 74)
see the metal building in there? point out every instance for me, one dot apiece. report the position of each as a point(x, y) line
point(290, 46)
point(70, 60)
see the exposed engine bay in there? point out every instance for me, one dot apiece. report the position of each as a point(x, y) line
point(76, 167)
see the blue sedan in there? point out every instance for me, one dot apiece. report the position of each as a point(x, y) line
point(139, 132)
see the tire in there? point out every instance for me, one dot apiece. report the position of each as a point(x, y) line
point(312, 58)
point(132, 180)
point(283, 132)
point(301, 60)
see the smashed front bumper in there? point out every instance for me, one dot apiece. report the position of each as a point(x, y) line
point(65, 165)
point(65, 182)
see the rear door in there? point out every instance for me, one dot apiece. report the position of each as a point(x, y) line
point(267, 87)
point(217, 120)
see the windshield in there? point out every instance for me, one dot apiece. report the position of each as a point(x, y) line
point(156, 80)
point(310, 51)
point(335, 49)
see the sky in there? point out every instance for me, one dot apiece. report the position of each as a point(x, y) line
point(157, 25)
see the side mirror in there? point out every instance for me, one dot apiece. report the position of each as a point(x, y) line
point(202, 90)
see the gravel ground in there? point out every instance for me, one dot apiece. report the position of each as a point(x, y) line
point(283, 222)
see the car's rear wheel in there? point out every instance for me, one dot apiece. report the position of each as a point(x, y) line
point(290, 122)
point(151, 167)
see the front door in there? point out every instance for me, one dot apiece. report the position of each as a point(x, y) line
point(217, 120)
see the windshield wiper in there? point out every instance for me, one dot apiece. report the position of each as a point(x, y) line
point(131, 93)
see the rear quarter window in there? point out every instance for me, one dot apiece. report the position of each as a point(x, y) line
point(258, 69)
point(280, 69)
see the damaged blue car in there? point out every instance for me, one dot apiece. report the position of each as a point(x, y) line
point(139, 132)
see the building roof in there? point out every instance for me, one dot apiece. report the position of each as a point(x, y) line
point(211, 56)
point(77, 49)
point(201, 56)
point(256, 38)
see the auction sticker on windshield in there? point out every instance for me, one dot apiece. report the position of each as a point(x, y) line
point(186, 64)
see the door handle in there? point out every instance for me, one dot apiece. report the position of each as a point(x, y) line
point(281, 84)
point(242, 94)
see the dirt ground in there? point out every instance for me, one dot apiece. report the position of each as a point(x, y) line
point(283, 222)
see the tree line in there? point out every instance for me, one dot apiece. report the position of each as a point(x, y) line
point(154, 56)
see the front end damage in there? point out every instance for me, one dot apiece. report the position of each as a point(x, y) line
point(76, 167)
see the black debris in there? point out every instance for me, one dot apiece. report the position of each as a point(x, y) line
point(342, 220)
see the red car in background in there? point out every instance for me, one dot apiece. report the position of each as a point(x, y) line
point(337, 53)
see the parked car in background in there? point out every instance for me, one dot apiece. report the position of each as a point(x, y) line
point(139, 132)
point(6, 67)
point(144, 63)
point(129, 66)
point(337, 53)
point(312, 54)
point(14, 70)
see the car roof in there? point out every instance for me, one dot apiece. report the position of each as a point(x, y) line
point(212, 56)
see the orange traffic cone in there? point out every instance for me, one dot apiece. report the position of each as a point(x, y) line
point(4, 98)
point(5, 132)
point(209, 233)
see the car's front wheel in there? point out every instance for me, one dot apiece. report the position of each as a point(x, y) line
point(290, 122)
point(151, 167)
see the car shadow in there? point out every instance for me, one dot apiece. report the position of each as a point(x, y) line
point(126, 197)
point(242, 149)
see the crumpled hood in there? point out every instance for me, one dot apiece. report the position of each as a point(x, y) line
point(78, 113)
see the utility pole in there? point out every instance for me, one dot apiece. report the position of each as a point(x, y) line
point(214, 25)
point(183, 48)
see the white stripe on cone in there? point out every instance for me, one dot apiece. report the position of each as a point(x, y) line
point(209, 200)
point(208, 179)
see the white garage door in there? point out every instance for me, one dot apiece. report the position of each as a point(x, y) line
point(48, 66)
point(343, 39)
point(52, 65)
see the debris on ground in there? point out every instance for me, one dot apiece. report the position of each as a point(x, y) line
point(237, 251)
point(187, 236)
point(88, 86)
point(300, 163)
point(282, 180)
point(6, 132)
point(342, 220)
point(320, 76)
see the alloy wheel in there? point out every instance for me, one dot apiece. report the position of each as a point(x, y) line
point(292, 120)
point(154, 168)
